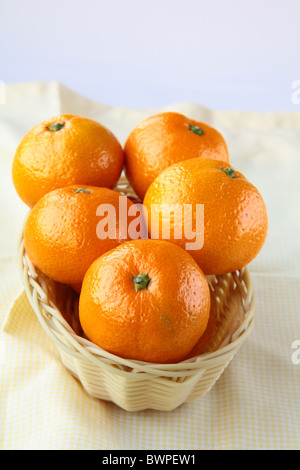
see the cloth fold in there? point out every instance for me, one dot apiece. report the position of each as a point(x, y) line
point(255, 404)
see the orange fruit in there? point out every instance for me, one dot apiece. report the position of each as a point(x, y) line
point(62, 231)
point(65, 150)
point(206, 338)
point(146, 300)
point(234, 226)
point(164, 139)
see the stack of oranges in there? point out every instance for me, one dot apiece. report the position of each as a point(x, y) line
point(143, 293)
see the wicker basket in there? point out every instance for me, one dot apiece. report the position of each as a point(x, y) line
point(135, 385)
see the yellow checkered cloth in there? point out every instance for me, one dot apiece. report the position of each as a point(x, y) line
point(256, 402)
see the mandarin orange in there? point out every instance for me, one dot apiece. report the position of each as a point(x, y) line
point(64, 150)
point(146, 300)
point(206, 338)
point(164, 139)
point(233, 228)
point(62, 232)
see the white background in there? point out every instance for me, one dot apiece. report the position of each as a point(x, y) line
point(222, 54)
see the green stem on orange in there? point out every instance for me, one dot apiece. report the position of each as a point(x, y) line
point(140, 281)
point(196, 129)
point(56, 126)
point(82, 190)
point(229, 172)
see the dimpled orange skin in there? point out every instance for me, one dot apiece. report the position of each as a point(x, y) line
point(60, 233)
point(235, 215)
point(164, 139)
point(81, 152)
point(160, 323)
point(205, 340)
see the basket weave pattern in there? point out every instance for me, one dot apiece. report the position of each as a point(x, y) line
point(135, 385)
